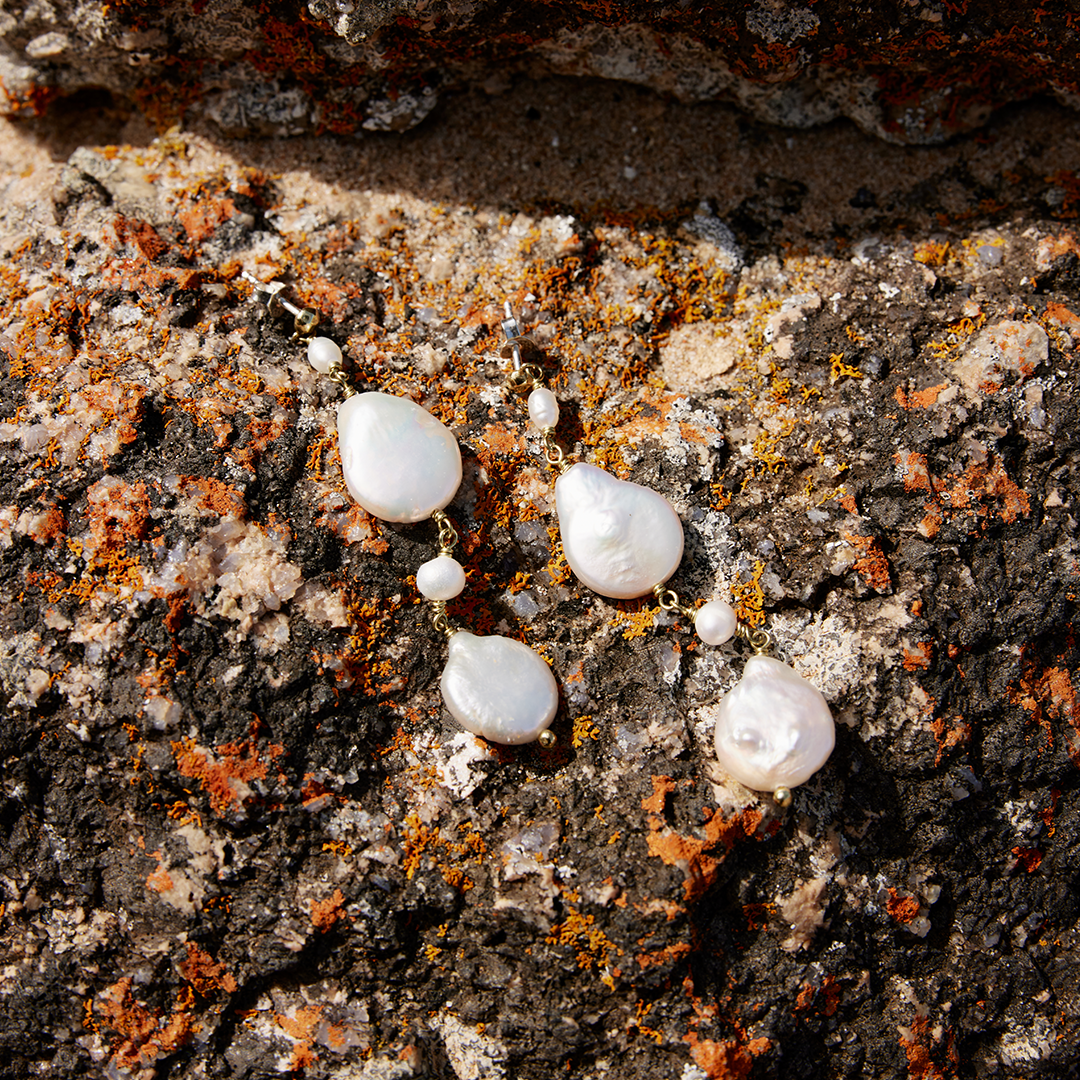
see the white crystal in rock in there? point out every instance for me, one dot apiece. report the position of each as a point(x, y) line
point(543, 408)
point(441, 578)
point(399, 462)
point(620, 538)
point(498, 688)
point(323, 354)
point(716, 622)
point(773, 729)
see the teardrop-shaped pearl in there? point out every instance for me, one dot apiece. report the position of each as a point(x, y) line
point(773, 729)
point(498, 688)
point(399, 462)
point(620, 538)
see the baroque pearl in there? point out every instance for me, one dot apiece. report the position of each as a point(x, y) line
point(399, 462)
point(441, 578)
point(774, 729)
point(543, 408)
point(498, 688)
point(620, 538)
point(323, 354)
point(716, 622)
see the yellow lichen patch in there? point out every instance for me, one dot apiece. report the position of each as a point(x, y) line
point(579, 932)
point(422, 840)
point(584, 728)
point(749, 597)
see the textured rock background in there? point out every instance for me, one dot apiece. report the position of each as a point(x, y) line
point(239, 835)
point(911, 71)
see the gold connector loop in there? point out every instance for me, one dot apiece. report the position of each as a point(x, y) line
point(448, 536)
point(761, 641)
point(553, 452)
point(337, 375)
point(668, 599)
point(440, 620)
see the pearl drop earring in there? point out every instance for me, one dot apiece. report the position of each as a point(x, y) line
point(401, 464)
point(774, 729)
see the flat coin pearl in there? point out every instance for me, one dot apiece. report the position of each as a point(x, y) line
point(441, 578)
point(543, 408)
point(399, 462)
point(620, 538)
point(323, 354)
point(774, 728)
point(498, 688)
point(716, 622)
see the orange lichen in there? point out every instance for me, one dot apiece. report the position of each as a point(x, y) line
point(224, 774)
point(919, 399)
point(982, 482)
point(949, 732)
point(918, 656)
point(1029, 858)
point(728, 1060)
point(662, 787)
point(901, 908)
point(142, 1035)
point(919, 1045)
point(204, 973)
point(871, 565)
point(671, 954)
point(1047, 693)
point(326, 913)
point(301, 1027)
point(700, 858)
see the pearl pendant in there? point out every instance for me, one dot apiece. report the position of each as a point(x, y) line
point(498, 688)
point(621, 539)
point(399, 462)
point(773, 729)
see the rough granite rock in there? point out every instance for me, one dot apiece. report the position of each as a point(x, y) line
point(912, 72)
point(242, 838)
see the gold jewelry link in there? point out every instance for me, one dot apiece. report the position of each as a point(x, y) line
point(761, 641)
point(337, 375)
point(441, 620)
point(448, 536)
point(668, 599)
point(553, 452)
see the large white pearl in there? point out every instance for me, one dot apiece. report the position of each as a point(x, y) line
point(774, 729)
point(498, 688)
point(716, 622)
point(543, 408)
point(620, 539)
point(441, 578)
point(399, 462)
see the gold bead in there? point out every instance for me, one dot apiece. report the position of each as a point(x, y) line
point(547, 738)
point(782, 796)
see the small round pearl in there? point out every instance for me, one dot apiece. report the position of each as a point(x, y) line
point(322, 354)
point(543, 408)
point(716, 622)
point(441, 578)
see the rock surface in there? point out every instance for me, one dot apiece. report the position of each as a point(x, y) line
point(913, 72)
point(241, 837)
